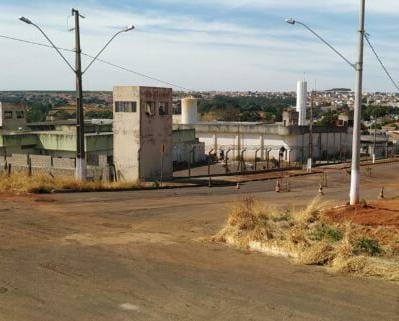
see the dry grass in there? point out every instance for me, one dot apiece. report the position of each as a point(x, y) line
point(42, 183)
point(309, 237)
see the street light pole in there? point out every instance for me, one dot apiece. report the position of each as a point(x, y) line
point(292, 21)
point(80, 168)
point(310, 152)
point(375, 134)
point(355, 170)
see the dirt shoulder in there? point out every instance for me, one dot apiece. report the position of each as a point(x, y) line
point(375, 213)
point(145, 256)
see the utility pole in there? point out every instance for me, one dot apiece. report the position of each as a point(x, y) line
point(310, 152)
point(355, 170)
point(80, 171)
point(375, 134)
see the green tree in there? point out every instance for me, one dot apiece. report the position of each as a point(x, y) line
point(105, 114)
point(37, 112)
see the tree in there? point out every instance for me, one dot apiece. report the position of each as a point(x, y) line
point(251, 116)
point(37, 112)
point(62, 114)
point(102, 114)
point(329, 119)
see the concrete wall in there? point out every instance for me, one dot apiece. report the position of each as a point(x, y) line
point(186, 147)
point(156, 132)
point(270, 138)
point(126, 134)
point(57, 144)
point(56, 166)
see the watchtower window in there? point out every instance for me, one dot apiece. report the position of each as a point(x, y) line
point(19, 114)
point(163, 109)
point(125, 106)
point(8, 115)
point(150, 108)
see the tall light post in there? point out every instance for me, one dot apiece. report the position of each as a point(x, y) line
point(80, 169)
point(355, 169)
point(310, 152)
point(374, 123)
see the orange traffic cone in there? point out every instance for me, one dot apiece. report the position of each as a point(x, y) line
point(277, 188)
point(321, 190)
point(381, 196)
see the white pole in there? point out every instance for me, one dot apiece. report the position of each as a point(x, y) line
point(355, 171)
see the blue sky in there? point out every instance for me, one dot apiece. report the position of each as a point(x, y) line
point(201, 45)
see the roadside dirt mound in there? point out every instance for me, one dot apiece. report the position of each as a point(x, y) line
point(376, 213)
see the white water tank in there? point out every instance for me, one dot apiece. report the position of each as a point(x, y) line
point(189, 110)
point(301, 97)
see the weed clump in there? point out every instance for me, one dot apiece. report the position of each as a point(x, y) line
point(19, 182)
point(367, 246)
point(309, 237)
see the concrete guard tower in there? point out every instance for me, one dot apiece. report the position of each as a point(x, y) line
point(142, 130)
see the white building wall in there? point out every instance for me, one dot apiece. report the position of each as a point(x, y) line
point(206, 138)
point(126, 133)
point(194, 152)
point(296, 145)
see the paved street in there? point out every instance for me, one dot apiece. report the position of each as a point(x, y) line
point(147, 255)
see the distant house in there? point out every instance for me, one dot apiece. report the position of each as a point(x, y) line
point(344, 119)
point(290, 117)
point(12, 116)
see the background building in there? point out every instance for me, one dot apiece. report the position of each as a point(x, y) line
point(265, 140)
point(12, 116)
point(142, 132)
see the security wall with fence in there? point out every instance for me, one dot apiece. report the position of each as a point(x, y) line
point(97, 167)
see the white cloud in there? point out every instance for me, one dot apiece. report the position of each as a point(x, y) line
point(184, 49)
point(381, 6)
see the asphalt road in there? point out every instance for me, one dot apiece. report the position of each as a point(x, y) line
point(147, 255)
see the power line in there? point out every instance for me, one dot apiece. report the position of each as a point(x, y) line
point(138, 73)
point(366, 36)
point(34, 43)
point(100, 60)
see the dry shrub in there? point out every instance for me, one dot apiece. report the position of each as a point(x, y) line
point(343, 250)
point(244, 215)
point(310, 238)
point(320, 253)
point(248, 221)
point(19, 182)
point(368, 266)
point(313, 212)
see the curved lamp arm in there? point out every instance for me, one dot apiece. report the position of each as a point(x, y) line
point(29, 22)
point(106, 45)
point(292, 21)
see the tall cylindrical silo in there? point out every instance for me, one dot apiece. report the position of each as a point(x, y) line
point(189, 110)
point(301, 96)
